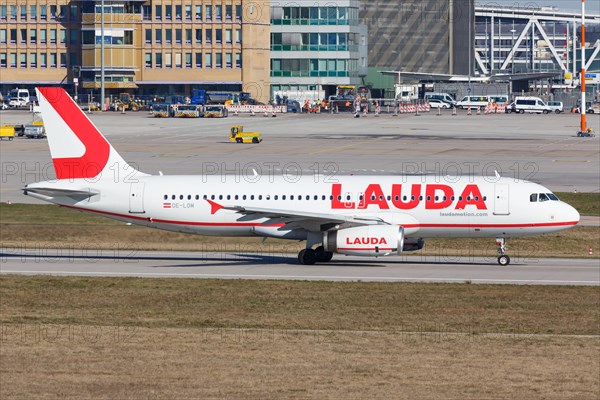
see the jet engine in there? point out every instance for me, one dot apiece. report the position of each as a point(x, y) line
point(368, 241)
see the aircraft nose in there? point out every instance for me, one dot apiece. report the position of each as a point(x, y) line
point(570, 214)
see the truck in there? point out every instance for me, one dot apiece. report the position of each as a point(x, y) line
point(18, 98)
point(214, 111)
point(237, 135)
point(406, 93)
point(202, 97)
point(161, 110)
point(187, 111)
point(35, 130)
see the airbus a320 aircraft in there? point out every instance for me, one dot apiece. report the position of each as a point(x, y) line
point(370, 216)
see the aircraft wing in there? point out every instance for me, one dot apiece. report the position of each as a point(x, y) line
point(305, 220)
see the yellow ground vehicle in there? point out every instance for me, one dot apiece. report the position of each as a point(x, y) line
point(7, 132)
point(238, 135)
point(127, 102)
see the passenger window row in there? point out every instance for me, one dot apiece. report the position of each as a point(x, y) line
point(308, 197)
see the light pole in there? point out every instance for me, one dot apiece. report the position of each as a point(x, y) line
point(470, 56)
point(102, 55)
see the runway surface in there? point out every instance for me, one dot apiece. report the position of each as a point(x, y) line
point(77, 262)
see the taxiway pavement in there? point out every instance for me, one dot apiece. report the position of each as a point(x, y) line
point(78, 262)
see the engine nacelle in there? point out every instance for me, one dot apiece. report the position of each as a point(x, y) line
point(413, 244)
point(368, 241)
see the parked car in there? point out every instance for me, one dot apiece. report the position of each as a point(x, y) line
point(437, 103)
point(594, 109)
point(555, 106)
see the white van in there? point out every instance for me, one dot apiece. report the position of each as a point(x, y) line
point(473, 102)
point(445, 97)
point(18, 97)
point(530, 105)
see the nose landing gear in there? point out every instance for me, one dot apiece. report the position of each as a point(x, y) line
point(503, 259)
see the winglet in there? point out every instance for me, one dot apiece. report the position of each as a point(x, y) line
point(214, 207)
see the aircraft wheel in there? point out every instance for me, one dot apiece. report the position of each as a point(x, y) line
point(254, 140)
point(504, 260)
point(239, 140)
point(307, 257)
point(322, 255)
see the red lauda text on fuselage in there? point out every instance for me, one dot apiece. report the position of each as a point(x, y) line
point(366, 240)
point(374, 195)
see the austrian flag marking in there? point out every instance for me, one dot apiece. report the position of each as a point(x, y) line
point(166, 205)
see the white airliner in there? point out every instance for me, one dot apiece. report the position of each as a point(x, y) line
point(356, 215)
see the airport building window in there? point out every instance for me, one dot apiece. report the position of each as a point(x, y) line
point(158, 12)
point(2, 60)
point(43, 36)
point(158, 60)
point(218, 12)
point(208, 36)
point(198, 60)
point(238, 12)
point(33, 12)
point(168, 60)
point(63, 36)
point(188, 60)
point(198, 12)
point(228, 12)
point(168, 12)
point(208, 12)
point(188, 36)
point(148, 35)
point(23, 12)
point(33, 60)
point(238, 36)
point(177, 60)
point(188, 12)
point(33, 36)
point(63, 60)
point(147, 12)
point(13, 36)
point(208, 60)
point(2, 13)
point(198, 35)
point(52, 36)
point(23, 35)
point(2, 36)
point(23, 60)
point(219, 60)
point(158, 36)
point(228, 35)
point(148, 60)
point(13, 60)
point(53, 13)
point(178, 36)
point(43, 60)
point(228, 60)
point(178, 12)
point(218, 35)
point(168, 36)
point(238, 60)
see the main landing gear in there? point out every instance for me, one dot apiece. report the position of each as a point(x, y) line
point(503, 259)
point(310, 257)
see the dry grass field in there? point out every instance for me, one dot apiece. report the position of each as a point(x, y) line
point(138, 338)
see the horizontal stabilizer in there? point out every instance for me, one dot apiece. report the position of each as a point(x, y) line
point(55, 192)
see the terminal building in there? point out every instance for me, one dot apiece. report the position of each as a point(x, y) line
point(315, 47)
point(152, 47)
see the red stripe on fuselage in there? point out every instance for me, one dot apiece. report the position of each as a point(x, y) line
point(454, 226)
point(97, 149)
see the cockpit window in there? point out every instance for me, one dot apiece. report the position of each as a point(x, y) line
point(544, 197)
point(533, 197)
point(552, 196)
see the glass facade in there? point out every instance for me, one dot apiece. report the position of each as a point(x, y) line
point(316, 46)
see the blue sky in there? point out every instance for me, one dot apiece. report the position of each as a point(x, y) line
point(590, 5)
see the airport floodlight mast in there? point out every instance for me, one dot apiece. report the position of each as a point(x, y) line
point(582, 109)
